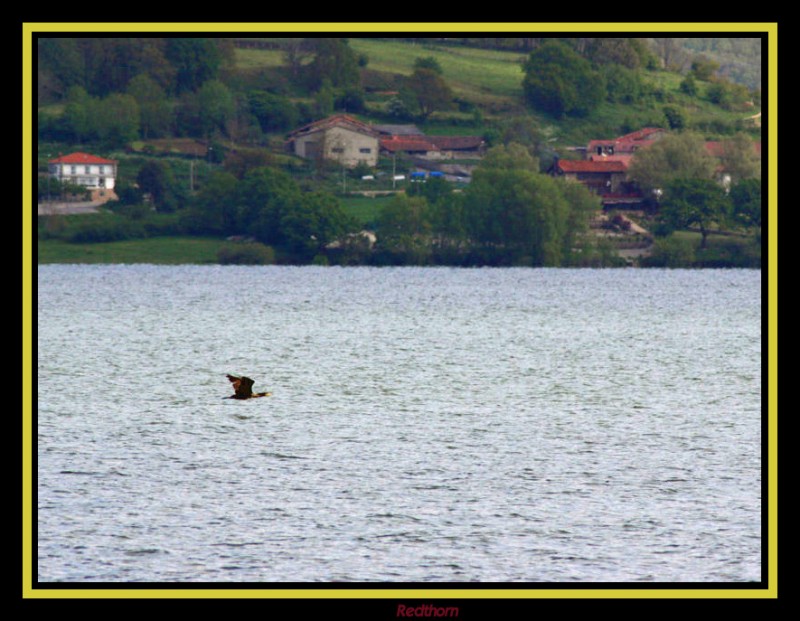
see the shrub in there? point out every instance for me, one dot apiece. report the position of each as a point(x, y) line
point(247, 253)
point(105, 229)
point(671, 252)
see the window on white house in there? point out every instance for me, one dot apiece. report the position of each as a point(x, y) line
point(365, 150)
point(73, 170)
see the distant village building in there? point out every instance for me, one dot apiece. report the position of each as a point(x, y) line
point(340, 138)
point(434, 147)
point(598, 176)
point(398, 130)
point(455, 147)
point(624, 147)
point(414, 146)
point(605, 163)
point(604, 167)
point(84, 169)
point(347, 140)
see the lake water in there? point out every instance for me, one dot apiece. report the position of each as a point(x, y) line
point(426, 425)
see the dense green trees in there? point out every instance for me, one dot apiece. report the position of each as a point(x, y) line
point(155, 110)
point(561, 82)
point(405, 229)
point(103, 65)
point(334, 60)
point(511, 214)
point(675, 156)
point(706, 206)
point(195, 60)
point(157, 181)
point(274, 113)
point(113, 120)
point(695, 202)
point(746, 202)
point(428, 90)
point(268, 205)
point(521, 216)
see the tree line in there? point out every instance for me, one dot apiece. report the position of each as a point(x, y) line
point(563, 80)
point(510, 214)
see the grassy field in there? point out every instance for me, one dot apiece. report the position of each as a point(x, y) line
point(157, 250)
point(258, 59)
point(492, 80)
point(482, 76)
point(364, 209)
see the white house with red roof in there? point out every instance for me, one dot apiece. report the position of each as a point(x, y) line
point(84, 169)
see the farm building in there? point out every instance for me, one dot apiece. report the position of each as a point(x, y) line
point(340, 138)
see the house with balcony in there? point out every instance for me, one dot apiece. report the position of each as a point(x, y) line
point(96, 174)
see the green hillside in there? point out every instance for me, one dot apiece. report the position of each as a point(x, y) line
point(490, 81)
point(186, 118)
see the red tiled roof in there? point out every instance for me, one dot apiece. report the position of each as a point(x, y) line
point(592, 166)
point(643, 134)
point(629, 142)
point(407, 143)
point(450, 143)
point(625, 158)
point(337, 120)
point(81, 158)
point(603, 143)
point(717, 149)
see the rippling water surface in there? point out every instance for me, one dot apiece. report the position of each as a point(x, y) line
point(425, 425)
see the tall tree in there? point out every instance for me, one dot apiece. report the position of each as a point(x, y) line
point(262, 197)
point(213, 210)
point(216, 106)
point(77, 113)
point(430, 91)
point(154, 108)
point(60, 60)
point(156, 179)
point(559, 81)
point(296, 53)
point(675, 156)
point(740, 158)
point(334, 60)
point(311, 223)
point(195, 60)
point(115, 119)
point(670, 53)
point(274, 113)
point(746, 201)
point(515, 212)
point(695, 202)
point(404, 228)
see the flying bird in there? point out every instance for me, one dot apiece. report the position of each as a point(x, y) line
point(243, 388)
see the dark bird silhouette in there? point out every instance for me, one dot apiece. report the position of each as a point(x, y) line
point(243, 388)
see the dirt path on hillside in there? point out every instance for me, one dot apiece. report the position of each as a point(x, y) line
point(69, 208)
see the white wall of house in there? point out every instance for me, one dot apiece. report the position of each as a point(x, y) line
point(99, 176)
point(341, 145)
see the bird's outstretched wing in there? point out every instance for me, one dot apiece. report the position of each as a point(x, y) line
point(242, 386)
point(235, 381)
point(246, 386)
